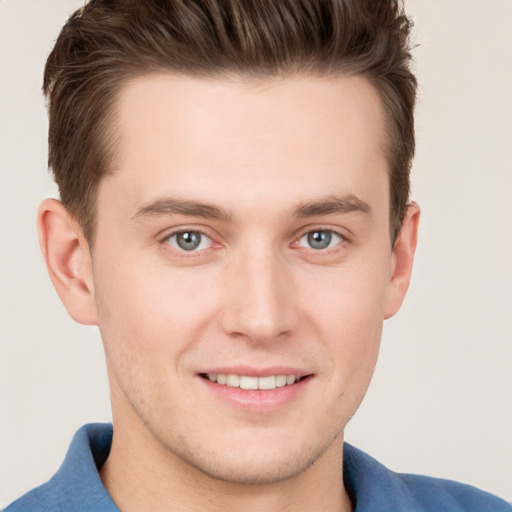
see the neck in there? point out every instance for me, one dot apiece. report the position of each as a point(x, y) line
point(141, 474)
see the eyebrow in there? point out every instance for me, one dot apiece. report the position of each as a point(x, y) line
point(332, 204)
point(173, 206)
point(326, 206)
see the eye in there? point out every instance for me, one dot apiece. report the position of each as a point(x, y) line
point(189, 241)
point(320, 239)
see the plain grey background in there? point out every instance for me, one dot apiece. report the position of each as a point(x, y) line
point(441, 400)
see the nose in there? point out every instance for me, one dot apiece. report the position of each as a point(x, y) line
point(260, 304)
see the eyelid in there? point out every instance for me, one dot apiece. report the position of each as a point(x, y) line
point(334, 238)
point(203, 240)
point(309, 229)
point(164, 240)
point(205, 232)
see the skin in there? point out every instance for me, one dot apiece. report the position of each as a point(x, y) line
point(255, 294)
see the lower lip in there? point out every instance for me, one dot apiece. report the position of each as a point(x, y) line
point(258, 400)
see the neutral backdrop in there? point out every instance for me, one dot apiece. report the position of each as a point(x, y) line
point(441, 399)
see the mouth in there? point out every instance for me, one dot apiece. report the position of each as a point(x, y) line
point(251, 382)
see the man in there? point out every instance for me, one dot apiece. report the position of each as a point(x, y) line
point(235, 218)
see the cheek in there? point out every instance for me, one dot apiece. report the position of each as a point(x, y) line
point(151, 310)
point(346, 307)
point(148, 321)
point(349, 298)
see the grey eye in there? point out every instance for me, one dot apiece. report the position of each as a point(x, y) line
point(189, 241)
point(320, 239)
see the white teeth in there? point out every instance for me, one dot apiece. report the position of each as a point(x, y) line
point(248, 382)
point(280, 381)
point(251, 382)
point(233, 380)
point(267, 382)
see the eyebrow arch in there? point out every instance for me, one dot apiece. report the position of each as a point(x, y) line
point(332, 204)
point(173, 206)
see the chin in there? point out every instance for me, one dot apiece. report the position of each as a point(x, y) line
point(251, 471)
point(255, 465)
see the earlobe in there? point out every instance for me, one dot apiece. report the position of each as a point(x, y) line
point(68, 260)
point(402, 260)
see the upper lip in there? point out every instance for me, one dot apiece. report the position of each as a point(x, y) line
point(257, 372)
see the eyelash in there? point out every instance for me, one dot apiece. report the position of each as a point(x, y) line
point(184, 253)
point(325, 229)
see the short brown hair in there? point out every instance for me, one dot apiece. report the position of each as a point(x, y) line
point(108, 42)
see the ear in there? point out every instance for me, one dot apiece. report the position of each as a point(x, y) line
point(401, 260)
point(68, 260)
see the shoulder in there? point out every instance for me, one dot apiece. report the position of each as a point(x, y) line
point(374, 487)
point(44, 498)
point(441, 494)
point(76, 486)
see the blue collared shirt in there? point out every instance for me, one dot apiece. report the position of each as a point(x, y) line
point(77, 487)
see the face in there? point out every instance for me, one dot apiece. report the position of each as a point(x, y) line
point(242, 268)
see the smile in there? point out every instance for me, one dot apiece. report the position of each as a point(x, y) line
point(251, 382)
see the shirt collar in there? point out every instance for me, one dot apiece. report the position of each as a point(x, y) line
point(370, 485)
point(78, 481)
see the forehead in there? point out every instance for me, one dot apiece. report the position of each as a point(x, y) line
point(216, 136)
